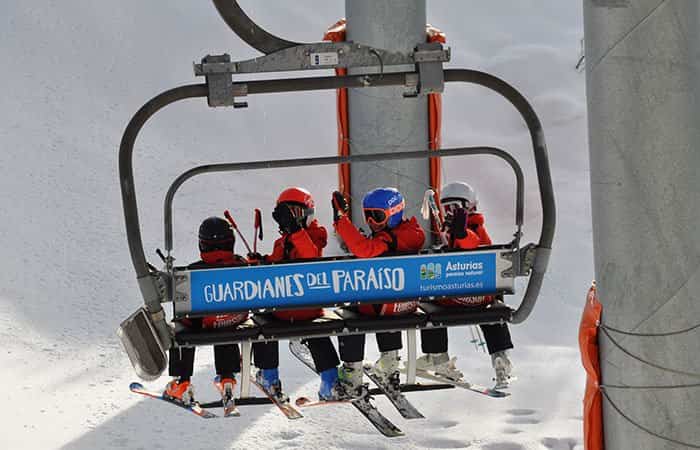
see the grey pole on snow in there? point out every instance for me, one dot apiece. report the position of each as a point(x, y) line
point(643, 87)
point(380, 118)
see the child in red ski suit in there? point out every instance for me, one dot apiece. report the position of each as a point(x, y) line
point(391, 233)
point(301, 238)
point(216, 242)
point(465, 230)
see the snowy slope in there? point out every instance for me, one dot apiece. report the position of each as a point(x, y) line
point(76, 72)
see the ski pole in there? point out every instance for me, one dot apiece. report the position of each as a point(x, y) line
point(482, 342)
point(258, 230)
point(474, 339)
point(235, 227)
point(430, 206)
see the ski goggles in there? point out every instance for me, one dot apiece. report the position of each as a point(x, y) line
point(380, 216)
point(300, 211)
point(450, 206)
point(210, 245)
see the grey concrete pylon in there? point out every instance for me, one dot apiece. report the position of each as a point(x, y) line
point(381, 119)
point(643, 88)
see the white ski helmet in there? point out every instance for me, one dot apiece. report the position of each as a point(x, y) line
point(459, 192)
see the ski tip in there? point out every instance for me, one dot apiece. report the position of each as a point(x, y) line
point(235, 413)
point(498, 394)
point(135, 385)
point(301, 401)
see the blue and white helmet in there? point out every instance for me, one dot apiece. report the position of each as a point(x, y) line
point(383, 206)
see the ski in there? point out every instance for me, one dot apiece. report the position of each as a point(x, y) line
point(194, 408)
point(430, 375)
point(227, 402)
point(396, 397)
point(363, 404)
point(305, 402)
point(381, 423)
point(288, 410)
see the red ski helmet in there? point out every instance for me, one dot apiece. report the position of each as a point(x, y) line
point(299, 201)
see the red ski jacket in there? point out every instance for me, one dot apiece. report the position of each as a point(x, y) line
point(217, 258)
point(306, 243)
point(476, 236)
point(407, 237)
point(475, 222)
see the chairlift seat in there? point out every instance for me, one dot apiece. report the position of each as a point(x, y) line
point(274, 328)
point(245, 331)
point(356, 322)
point(445, 316)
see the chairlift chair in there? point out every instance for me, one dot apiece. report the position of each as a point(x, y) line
point(492, 270)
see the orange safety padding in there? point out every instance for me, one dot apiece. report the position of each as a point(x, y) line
point(435, 126)
point(343, 136)
point(336, 33)
point(588, 345)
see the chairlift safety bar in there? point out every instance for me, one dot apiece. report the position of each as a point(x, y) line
point(333, 160)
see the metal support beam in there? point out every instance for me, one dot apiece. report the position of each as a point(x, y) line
point(643, 89)
point(411, 357)
point(246, 353)
point(383, 119)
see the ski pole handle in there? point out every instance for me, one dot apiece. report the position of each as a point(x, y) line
point(258, 231)
point(227, 214)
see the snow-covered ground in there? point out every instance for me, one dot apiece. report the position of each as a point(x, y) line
point(74, 74)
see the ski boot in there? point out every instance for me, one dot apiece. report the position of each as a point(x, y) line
point(329, 379)
point(180, 391)
point(270, 381)
point(350, 379)
point(333, 388)
point(503, 368)
point(386, 368)
point(441, 364)
point(226, 385)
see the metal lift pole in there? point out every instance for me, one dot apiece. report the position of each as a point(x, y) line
point(642, 67)
point(381, 119)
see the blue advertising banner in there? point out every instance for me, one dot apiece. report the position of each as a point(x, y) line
point(335, 282)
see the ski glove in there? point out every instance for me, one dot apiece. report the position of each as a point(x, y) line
point(340, 206)
point(286, 220)
point(255, 257)
point(475, 221)
point(458, 224)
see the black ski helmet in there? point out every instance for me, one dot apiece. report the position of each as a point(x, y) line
point(215, 233)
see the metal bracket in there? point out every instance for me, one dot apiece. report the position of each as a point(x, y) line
point(523, 260)
point(163, 284)
point(323, 55)
point(218, 69)
point(180, 284)
point(215, 69)
point(429, 59)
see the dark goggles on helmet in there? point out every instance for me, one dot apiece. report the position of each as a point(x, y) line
point(300, 211)
point(449, 206)
point(210, 245)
